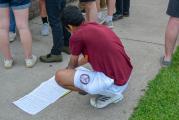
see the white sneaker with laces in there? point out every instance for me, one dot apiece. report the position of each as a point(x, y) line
point(45, 29)
point(12, 36)
point(8, 63)
point(102, 101)
point(31, 62)
point(109, 24)
point(101, 18)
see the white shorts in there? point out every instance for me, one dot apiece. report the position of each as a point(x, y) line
point(94, 83)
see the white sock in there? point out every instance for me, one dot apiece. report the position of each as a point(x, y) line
point(109, 18)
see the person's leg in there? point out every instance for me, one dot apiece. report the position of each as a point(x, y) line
point(119, 6)
point(54, 8)
point(119, 10)
point(4, 30)
point(21, 13)
point(91, 11)
point(100, 15)
point(110, 5)
point(65, 78)
point(171, 35)
point(43, 14)
point(126, 6)
point(22, 22)
point(12, 27)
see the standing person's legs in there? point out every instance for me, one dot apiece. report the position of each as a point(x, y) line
point(171, 35)
point(54, 9)
point(12, 27)
point(21, 13)
point(43, 14)
point(172, 31)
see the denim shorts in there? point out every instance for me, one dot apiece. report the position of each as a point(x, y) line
point(15, 4)
point(173, 8)
point(87, 0)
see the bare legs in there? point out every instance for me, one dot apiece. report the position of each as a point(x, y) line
point(171, 35)
point(22, 25)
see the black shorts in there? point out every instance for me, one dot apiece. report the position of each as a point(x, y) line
point(173, 8)
point(87, 0)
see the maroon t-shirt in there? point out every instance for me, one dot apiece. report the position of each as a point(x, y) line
point(104, 49)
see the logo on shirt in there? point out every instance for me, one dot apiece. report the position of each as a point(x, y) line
point(84, 79)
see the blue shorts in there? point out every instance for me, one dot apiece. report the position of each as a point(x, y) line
point(173, 8)
point(15, 4)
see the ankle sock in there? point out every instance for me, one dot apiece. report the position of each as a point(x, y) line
point(44, 20)
point(109, 18)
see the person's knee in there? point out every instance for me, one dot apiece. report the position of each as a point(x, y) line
point(59, 77)
point(22, 25)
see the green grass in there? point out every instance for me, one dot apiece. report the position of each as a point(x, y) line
point(161, 100)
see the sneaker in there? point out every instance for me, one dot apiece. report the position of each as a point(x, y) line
point(102, 101)
point(117, 16)
point(12, 36)
point(66, 49)
point(51, 58)
point(8, 63)
point(31, 61)
point(126, 14)
point(82, 93)
point(45, 29)
point(101, 19)
point(109, 24)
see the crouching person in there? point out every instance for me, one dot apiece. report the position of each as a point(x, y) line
point(100, 47)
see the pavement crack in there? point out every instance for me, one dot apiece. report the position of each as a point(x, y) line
point(159, 44)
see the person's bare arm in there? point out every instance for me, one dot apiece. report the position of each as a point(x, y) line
point(74, 62)
point(83, 60)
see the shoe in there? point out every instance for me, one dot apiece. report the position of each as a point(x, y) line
point(31, 61)
point(126, 14)
point(101, 19)
point(102, 101)
point(66, 49)
point(117, 16)
point(8, 63)
point(45, 29)
point(51, 58)
point(165, 63)
point(12, 36)
point(109, 24)
point(82, 93)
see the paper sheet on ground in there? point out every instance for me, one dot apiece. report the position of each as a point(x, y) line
point(47, 93)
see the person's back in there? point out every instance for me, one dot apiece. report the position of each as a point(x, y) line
point(104, 49)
